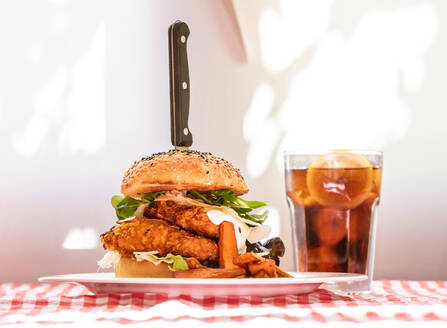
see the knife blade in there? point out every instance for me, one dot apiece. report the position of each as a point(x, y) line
point(181, 137)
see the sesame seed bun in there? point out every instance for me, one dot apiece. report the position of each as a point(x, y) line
point(182, 170)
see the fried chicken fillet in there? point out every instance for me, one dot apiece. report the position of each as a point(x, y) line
point(145, 234)
point(191, 218)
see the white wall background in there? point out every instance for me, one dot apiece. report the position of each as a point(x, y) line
point(84, 93)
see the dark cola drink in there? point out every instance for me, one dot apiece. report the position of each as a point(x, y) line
point(333, 205)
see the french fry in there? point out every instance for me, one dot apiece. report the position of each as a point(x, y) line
point(259, 274)
point(254, 268)
point(255, 263)
point(210, 273)
point(193, 263)
point(283, 274)
point(270, 268)
point(227, 245)
point(266, 266)
point(247, 258)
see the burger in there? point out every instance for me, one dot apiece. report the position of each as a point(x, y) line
point(169, 214)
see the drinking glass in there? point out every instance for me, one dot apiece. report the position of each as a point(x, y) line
point(333, 198)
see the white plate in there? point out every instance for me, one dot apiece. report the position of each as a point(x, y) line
point(302, 283)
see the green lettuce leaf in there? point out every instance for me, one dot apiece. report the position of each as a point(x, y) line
point(179, 264)
point(125, 207)
point(116, 199)
point(151, 196)
point(229, 199)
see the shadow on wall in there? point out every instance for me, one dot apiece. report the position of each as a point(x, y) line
point(62, 77)
point(350, 94)
point(52, 114)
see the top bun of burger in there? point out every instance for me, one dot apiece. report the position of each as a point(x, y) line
point(182, 170)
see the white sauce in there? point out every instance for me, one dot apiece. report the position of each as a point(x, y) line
point(258, 233)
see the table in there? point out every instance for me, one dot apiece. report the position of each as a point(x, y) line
point(392, 302)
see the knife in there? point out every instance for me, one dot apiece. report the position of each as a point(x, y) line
point(181, 137)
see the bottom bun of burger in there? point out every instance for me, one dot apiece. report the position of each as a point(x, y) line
point(130, 268)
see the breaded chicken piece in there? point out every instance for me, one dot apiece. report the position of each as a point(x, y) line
point(144, 235)
point(192, 218)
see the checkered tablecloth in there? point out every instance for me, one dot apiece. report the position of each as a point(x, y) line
point(390, 303)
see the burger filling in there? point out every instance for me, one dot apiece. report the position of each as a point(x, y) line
point(168, 226)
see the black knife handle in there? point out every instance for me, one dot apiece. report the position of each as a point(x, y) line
point(179, 85)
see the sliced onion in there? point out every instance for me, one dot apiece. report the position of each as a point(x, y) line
point(139, 213)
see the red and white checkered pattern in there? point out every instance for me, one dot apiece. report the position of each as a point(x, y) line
point(401, 301)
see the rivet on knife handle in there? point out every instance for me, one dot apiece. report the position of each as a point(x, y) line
point(179, 85)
